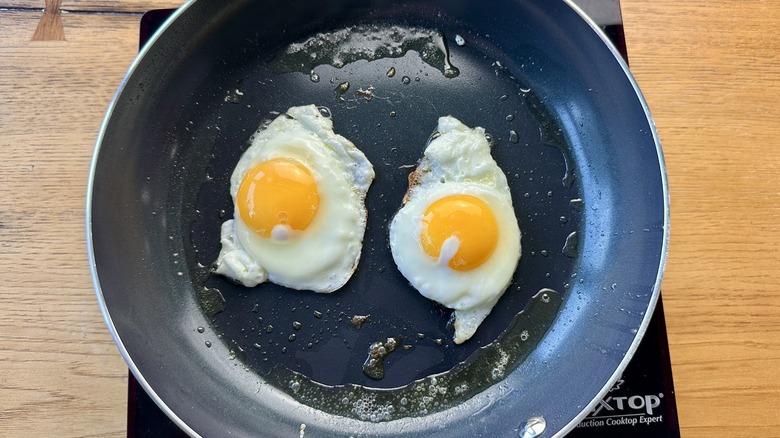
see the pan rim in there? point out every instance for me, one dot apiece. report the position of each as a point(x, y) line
point(667, 216)
point(185, 427)
point(90, 244)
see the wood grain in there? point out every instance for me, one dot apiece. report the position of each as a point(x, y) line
point(709, 70)
point(711, 74)
point(50, 27)
point(81, 6)
point(59, 369)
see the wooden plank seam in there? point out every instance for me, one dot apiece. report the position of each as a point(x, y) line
point(50, 28)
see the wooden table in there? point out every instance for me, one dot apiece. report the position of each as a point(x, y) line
point(709, 70)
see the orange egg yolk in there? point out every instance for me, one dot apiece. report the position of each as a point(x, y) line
point(279, 191)
point(468, 219)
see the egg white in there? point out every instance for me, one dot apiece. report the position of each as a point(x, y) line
point(324, 256)
point(457, 162)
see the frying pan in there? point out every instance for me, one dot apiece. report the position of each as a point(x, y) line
point(568, 125)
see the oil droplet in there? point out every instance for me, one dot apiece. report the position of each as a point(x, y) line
point(314, 76)
point(503, 97)
point(364, 42)
point(510, 117)
point(234, 96)
point(342, 88)
point(576, 204)
point(325, 112)
point(367, 94)
point(208, 344)
point(564, 219)
point(532, 427)
point(489, 138)
point(357, 321)
point(449, 70)
point(317, 314)
point(392, 114)
point(513, 137)
point(459, 40)
point(391, 72)
point(571, 245)
point(269, 329)
point(201, 329)
point(211, 301)
point(295, 386)
point(406, 80)
point(377, 352)
point(524, 335)
point(291, 338)
point(296, 325)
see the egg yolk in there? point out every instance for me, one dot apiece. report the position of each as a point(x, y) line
point(467, 218)
point(276, 192)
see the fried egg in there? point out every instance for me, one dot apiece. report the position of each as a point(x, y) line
point(299, 206)
point(456, 238)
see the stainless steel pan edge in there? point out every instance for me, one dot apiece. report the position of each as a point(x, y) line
point(88, 221)
point(667, 217)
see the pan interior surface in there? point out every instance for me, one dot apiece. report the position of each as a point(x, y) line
point(568, 127)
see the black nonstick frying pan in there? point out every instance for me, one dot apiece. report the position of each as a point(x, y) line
point(568, 126)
